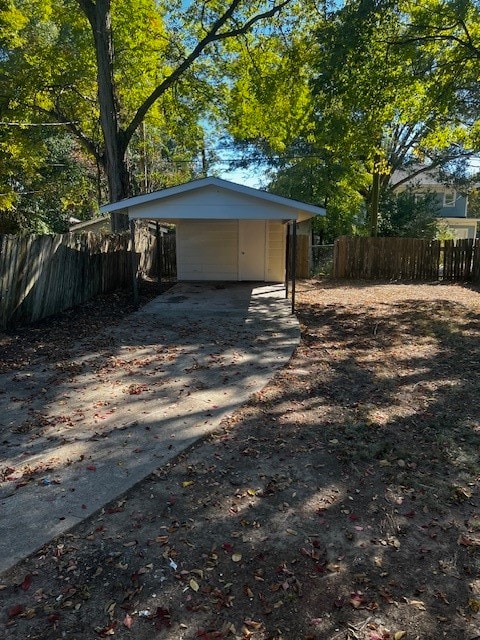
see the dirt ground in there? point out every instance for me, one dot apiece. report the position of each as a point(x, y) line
point(341, 503)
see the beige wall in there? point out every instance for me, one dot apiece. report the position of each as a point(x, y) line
point(276, 248)
point(209, 250)
point(463, 228)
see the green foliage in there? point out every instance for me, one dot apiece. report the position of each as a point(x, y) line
point(318, 180)
point(105, 68)
point(377, 86)
point(406, 214)
point(474, 203)
point(42, 197)
point(444, 232)
point(367, 99)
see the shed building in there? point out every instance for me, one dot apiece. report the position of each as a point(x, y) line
point(224, 231)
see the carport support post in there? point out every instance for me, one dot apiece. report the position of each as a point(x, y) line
point(294, 263)
point(287, 261)
point(134, 263)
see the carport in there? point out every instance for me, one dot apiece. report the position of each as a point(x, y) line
point(225, 231)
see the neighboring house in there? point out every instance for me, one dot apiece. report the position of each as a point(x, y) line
point(95, 225)
point(452, 205)
point(224, 231)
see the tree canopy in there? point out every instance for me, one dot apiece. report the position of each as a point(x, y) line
point(381, 88)
point(104, 69)
point(332, 97)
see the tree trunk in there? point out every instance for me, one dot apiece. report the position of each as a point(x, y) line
point(99, 16)
point(116, 139)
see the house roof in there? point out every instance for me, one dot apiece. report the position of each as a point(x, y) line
point(213, 198)
point(427, 178)
point(85, 225)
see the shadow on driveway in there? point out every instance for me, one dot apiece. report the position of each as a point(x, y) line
point(77, 434)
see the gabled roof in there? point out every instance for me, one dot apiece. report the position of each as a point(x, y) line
point(427, 177)
point(290, 209)
point(85, 225)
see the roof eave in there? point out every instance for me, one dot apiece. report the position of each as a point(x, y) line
point(130, 203)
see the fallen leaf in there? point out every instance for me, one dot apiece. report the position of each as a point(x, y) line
point(398, 635)
point(465, 541)
point(253, 624)
point(194, 585)
point(418, 604)
point(237, 557)
point(247, 591)
point(357, 599)
point(107, 631)
point(128, 621)
point(162, 619)
point(187, 483)
point(27, 582)
point(15, 611)
point(474, 605)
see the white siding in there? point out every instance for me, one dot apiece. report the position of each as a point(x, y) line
point(214, 203)
point(207, 250)
point(276, 248)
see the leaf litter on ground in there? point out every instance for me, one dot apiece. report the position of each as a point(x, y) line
point(340, 502)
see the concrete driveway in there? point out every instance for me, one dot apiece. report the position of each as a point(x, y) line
point(76, 435)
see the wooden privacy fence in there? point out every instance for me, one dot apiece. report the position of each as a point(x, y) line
point(407, 259)
point(166, 257)
point(43, 275)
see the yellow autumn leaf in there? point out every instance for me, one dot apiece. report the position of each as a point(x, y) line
point(237, 557)
point(398, 635)
point(418, 604)
point(187, 483)
point(474, 605)
point(194, 585)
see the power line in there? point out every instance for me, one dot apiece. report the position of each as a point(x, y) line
point(36, 124)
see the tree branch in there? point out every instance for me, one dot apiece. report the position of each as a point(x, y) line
point(433, 165)
point(88, 8)
point(468, 45)
point(212, 36)
point(87, 143)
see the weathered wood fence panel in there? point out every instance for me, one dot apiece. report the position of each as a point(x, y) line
point(43, 275)
point(407, 259)
point(302, 262)
point(166, 257)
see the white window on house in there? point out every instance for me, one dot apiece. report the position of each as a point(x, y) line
point(449, 197)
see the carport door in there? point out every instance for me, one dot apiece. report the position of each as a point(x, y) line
point(251, 250)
